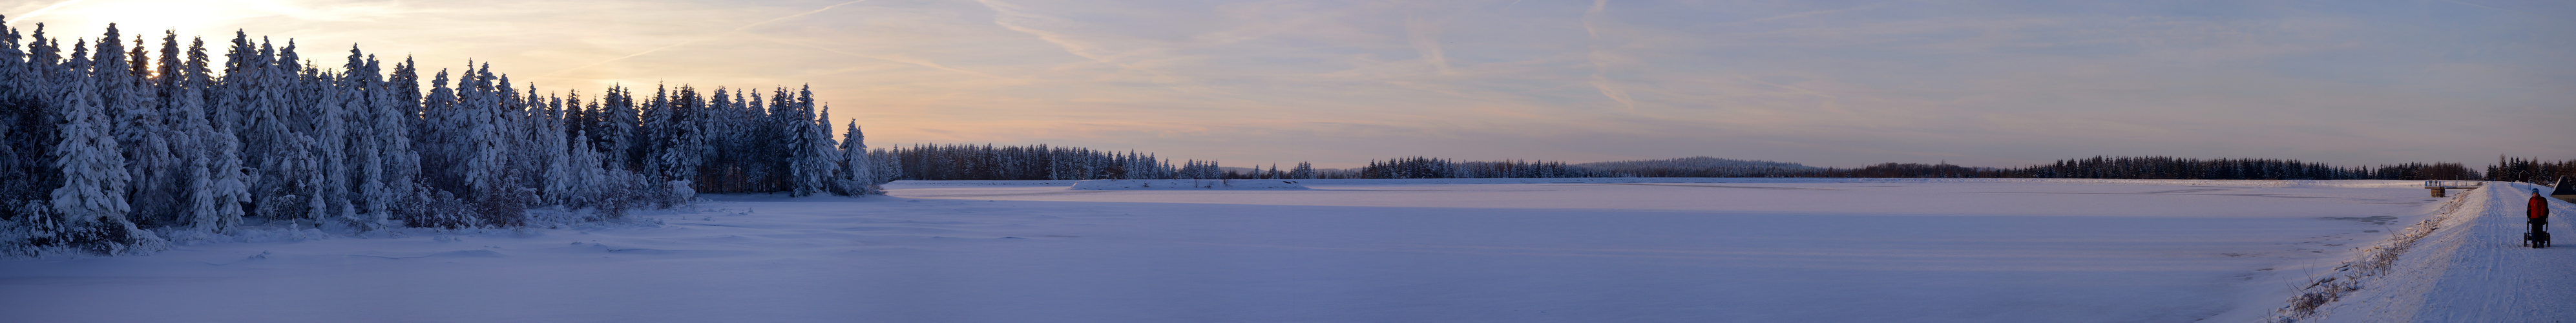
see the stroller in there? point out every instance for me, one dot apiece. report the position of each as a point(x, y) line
point(2538, 238)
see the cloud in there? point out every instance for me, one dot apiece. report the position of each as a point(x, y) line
point(694, 41)
point(1425, 37)
point(1018, 19)
point(1593, 21)
point(41, 11)
point(1843, 84)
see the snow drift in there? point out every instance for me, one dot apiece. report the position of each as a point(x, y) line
point(1187, 184)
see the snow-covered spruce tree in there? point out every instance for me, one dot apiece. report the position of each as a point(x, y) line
point(282, 159)
point(217, 186)
point(90, 208)
point(166, 84)
point(526, 112)
point(770, 138)
point(370, 194)
point(581, 179)
point(228, 102)
point(403, 85)
point(857, 175)
point(651, 131)
point(794, 126)
point(888, 166)
point(539, 153)
point(478, 165)
point(436, 144)
point(491, 182)
point(618, 121)
point(125, 94)
point(539, 135)
point(397, 102)
point(558, 176)
point(679, 141)
point(731, 142)
point(815, 154)
point(327, 122)
point(25, 127)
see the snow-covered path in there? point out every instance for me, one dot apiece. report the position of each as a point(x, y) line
point(1735, 250)
point(2479, 271)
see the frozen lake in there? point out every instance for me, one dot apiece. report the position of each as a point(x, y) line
point(1344, 251)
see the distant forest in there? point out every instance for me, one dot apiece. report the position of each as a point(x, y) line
point(988, 162)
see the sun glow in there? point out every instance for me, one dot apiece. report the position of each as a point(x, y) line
point(84, 19)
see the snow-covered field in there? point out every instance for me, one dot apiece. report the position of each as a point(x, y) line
point(1519, 250)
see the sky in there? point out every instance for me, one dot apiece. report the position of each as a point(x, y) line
point(1339, 83)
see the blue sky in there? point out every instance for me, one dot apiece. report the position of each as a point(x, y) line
point(1830, 83)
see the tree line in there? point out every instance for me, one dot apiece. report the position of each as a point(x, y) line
point(2532, 170)
point(114, 148)
point(1042, 162)
point(1039, 162)
point(2154, 167)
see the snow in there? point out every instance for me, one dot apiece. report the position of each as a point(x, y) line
point(1186, 184)
point(2476, 269)
point(1460, 250)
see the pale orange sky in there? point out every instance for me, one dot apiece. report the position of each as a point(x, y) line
point(1827, 83)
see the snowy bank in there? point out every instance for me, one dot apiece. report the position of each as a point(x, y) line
point(1188, 184)
point(2468, 267)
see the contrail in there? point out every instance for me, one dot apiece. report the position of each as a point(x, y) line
point(1600, 59)
point(1005, 13)
point(889, 58)
point(693, 41)
point(1425, 37)
point(1007, 16)
point(797, 15)
point(41, 11)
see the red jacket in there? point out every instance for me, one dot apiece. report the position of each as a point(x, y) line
point(2539, 207)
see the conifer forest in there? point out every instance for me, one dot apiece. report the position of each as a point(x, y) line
point(116, 144)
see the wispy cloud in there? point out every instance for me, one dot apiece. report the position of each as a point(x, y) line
point(1593, 24)
point(1425, 37)
point(1014, 18)
point(41, 11)
point(703, 39)
point(898, 58)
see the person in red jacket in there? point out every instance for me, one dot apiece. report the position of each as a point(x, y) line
point(2539, 211)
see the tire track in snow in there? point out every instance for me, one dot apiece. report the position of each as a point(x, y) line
point(2477, 272)
point(2493, 278)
